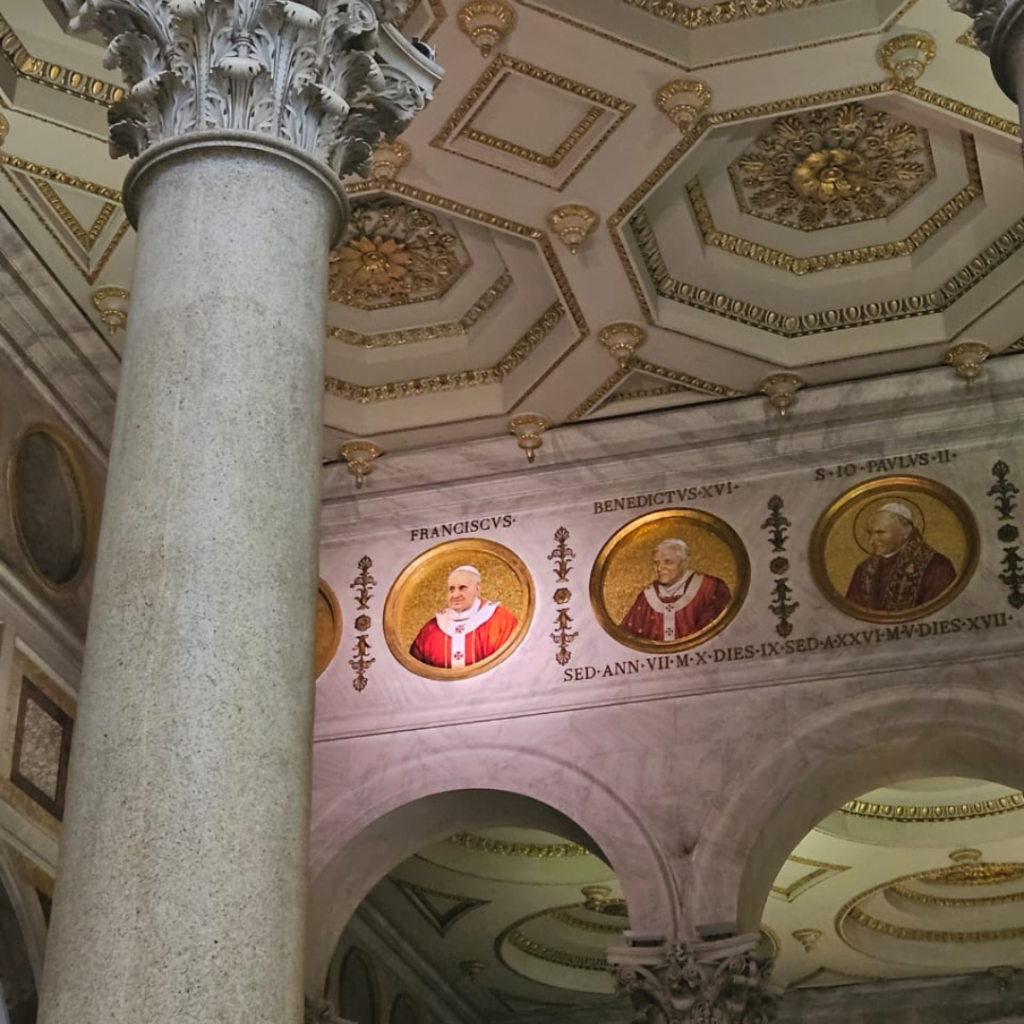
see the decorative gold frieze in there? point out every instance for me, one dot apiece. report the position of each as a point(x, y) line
point(831, 167)
point(398, 253)
point(365, 394)
point(573, 223)
point(486, 22)
point(55, 76)
point(431, 332)
point(904, 891)
point(906, 56)
point(800, 265)
point(722, 13)
point(683, 100)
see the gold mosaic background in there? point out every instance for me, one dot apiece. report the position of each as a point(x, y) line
point(630, 564)
point(425, 592)
point(846, 544)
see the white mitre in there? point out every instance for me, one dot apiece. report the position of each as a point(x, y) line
point(897, 508)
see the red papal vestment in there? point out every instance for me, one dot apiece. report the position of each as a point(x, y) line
point(450, 642)
point(687, 607)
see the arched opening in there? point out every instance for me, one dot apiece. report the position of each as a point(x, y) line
point(359, 836)
point(907, 901)
point(836, 755)
point(486, 903)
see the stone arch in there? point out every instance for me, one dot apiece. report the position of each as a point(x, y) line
point(359, 835)
point(847, 749)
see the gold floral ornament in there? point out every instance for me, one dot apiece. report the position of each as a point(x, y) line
point(831, 167)
point(397, 254)
point(376, 265)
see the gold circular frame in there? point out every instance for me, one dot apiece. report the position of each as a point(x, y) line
point(456, 552)
point(323, 589)
point(914, 485)
point(83, 491)
point(700, 520)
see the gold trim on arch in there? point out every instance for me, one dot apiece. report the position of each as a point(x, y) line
point(710, 15)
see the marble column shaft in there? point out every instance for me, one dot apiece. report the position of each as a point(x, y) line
point(182, 884)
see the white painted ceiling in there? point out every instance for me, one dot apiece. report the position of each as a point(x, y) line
point(500, 318)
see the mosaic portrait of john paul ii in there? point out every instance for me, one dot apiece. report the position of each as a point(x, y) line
point(894, 549)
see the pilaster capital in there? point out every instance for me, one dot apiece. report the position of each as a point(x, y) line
point(331, 77)
point(721, 982)
point(997, 28)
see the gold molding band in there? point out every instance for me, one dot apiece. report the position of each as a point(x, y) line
point(941, 812)
point(821, 321)
point(495, 74)
point(549, 160)
point(450, 329)
point(539, 951)
point(583, 925)
point(957, 902)
point(709, 15)
point(113, 197)
point(683, 381)
point(503, 848)
point(366, 394)
point(798, 265)
point(55, 76)
point(925, 935)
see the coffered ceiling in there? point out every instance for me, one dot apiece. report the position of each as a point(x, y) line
point(791, 206)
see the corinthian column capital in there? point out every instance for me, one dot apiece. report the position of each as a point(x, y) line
point(722, 982)
point(331, 77)
point(998, 26)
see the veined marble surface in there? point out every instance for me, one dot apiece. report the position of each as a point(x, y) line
point(896, 419)
point(695, 782)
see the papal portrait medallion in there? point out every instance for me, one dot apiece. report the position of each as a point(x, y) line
point(328, 628)
point(670, 580)
point(894, 549)
point(459, 609)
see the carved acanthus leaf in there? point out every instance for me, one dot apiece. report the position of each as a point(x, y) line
point(304, 71)
point(984, 13)
point(682, 984)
